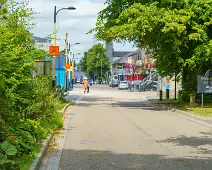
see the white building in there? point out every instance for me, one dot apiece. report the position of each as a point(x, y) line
point(42, 43)
point(43, 67)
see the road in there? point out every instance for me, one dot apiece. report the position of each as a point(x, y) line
point(112, 129)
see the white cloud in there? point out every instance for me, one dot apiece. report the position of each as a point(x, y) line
point(75, 22)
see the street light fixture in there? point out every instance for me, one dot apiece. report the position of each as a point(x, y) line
point(72, 44)
point(70, 79)
point(71, 8)
point(55, 16)
point(73, 68)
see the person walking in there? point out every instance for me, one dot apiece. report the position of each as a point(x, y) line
point(85, 86)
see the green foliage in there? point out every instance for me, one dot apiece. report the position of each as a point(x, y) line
point(83, 62)
point(95, 62)
point(28, 106)
point(8, 148)
point(61, 93)
point(177, 32)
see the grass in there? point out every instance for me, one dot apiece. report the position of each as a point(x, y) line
point(206, 111)
point(26, 161)
point(62, 103)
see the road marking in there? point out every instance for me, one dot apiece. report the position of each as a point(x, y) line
point(54, 162)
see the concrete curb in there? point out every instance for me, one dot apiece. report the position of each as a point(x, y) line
point(66, 106)
point(37, 162)
point(42, 153)
point(182, 112)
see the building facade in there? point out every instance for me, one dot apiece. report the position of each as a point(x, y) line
point(129, 65)
point(117, 72)
point(44, 67)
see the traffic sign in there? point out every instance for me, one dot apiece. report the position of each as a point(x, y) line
point(68, 67)
point(54, 50)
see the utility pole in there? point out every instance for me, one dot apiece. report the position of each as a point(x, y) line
point(73, 71)
point(101, 70)
point(55, 31)
point(66, 61)
point(70, 72)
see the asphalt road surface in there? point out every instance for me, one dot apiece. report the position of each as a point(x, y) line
point(111, 129)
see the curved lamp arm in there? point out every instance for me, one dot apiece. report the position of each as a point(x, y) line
point(60, 10)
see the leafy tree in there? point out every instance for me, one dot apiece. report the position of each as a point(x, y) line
point(178, 33)
point(95, 62)
point(25, 101)
point(83, 62)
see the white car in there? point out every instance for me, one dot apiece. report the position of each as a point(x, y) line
point(123, 85)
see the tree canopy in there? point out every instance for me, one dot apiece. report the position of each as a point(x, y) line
point(26, 101)
point(177, 32)
point(95, 62)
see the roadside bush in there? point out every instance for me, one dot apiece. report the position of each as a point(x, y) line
point(28, 105)
point(184, 96)
point(42, 118)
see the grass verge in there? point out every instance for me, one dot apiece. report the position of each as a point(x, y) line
point(62, 103)
point(197, 110)
point(26, 161)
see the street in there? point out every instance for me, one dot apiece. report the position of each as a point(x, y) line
point(111, 129)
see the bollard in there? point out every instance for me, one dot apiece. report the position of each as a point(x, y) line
point(161, 94)
point(167, 93)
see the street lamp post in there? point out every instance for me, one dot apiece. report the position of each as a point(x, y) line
point(70, 73)
point(55, 16)
point(73, 70)
point(101, 71)
point(69, 49)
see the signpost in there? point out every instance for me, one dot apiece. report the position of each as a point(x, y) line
point(205, 84)
point(54, 51)
point(68, 67)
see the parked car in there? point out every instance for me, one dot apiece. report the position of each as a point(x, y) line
point(78, 81)
point(114, 83)
point(123, 85)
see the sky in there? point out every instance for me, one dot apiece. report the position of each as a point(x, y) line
point(74, 22)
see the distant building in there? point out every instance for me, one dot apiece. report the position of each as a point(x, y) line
point(42, 43)
point(129, 65)
point(43, 67)
point(114, 57)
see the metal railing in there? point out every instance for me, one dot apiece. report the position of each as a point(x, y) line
point(149, 83)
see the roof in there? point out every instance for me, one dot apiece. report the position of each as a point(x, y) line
point(41, 40)
point(121, 60)
point(135, 52)
point(120, 53)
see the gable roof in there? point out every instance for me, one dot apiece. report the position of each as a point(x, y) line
point(120, 53)
point(121, 60)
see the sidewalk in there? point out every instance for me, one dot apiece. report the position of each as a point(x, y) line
point(153, 95)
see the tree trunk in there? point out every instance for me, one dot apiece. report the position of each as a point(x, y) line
point(193, 89)
point(192, 100)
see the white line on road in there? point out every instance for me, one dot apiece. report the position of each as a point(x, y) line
point(54, 162)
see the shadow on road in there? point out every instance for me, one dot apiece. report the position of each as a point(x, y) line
point(106, 160)
point(191, 141)
point(88, 101)
point(95, 99)
point(136, 105)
